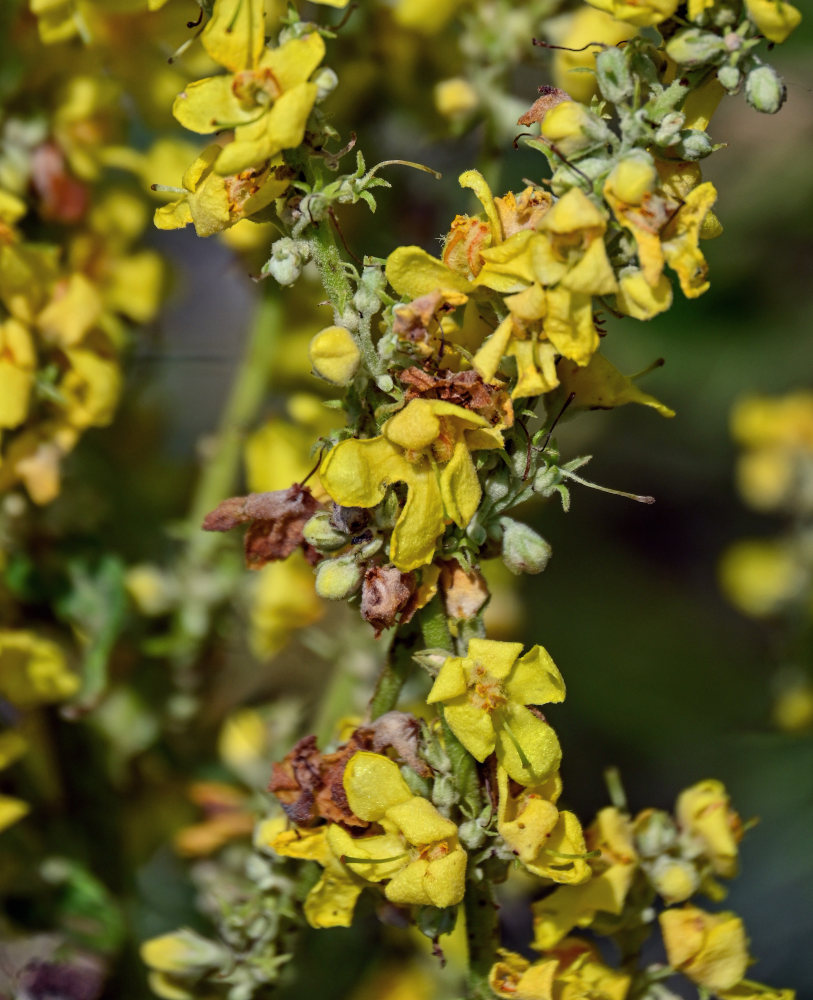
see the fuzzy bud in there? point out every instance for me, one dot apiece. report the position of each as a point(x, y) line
point(694, 47)
point(472, 835)
point(694, 144)
point(633, 177)
point(655, 833)
point(730, 78)
point(613, 75)
point(322, 535)
point(669, 129)
point(287, 259)
point(337, 579)
point(765, 90)
point(571, 128)
point(445, 793)
point(326, 82)
point(183, 953)
point(334, 355)
point(523, 550)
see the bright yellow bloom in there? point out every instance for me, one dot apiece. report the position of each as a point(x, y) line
point(214, 202)
point(428, 446)
point(418, 855)
point(776, 19)
point(760, 577)
point(284, 600)
point(266, 98)
point(571, 971)
point(601, 386)
point(643, 13)
point(334, 355)
point(708, 948)
point(18, 363)
point(704, 814)
point(33, 671)
point(570, 906)
point(484, 698)
point(548, 842)
point(426, 16)
point(455, 98)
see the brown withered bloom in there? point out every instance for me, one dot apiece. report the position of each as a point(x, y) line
point(548, 98)
point(467, 389)
point(464, 592)
point(309, 784)
point(419, 320)
point(276, 521)
point(387, 597)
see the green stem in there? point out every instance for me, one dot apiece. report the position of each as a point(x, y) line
point(482, 931)
point(219, 479)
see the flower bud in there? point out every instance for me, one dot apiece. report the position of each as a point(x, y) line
point(337, 579)
point(182, 953)
point(668, 131)
point(613, 75)
point(633, 177)
point(287, 259)
point(729, 77)
point(523, 550)
point(326, 82)
point(674, 879)
point(572, 128)
point(334, 355)
point(472, 835)
point(322, 535)
point(455, 98)
point(444, 792)
point(433, 921)
point(765, 90)
point(694, 144)
point(694, 47)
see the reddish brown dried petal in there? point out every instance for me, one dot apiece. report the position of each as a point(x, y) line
point(548, 98)
point(384, 595)
point(464, 593)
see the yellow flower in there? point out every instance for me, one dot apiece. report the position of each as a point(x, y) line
point(426, 16)
point(776, 19)
point(577, 905)
point(680, 240)
point(548, 842)
point(644, 13)
point(708, 948)
point(418, 854)
point(749, 990)
point(760, 577)
point(574, 33)
point(214, 202)
point(485, 695)
point(11, 810)
point(266, 98)
point(428, 446)
point(703, 812)
point(33, 671)
point(334, 355)
point(456, 98)
point(284, 600)
point(601, 386)
point(572, 970)
point(18, 363)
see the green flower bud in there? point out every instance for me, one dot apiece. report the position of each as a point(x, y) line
point(432, 921)
point(523, 550)
point(694, 47)
point(326, 82)
point(472, 835)
point(694, 144)
point(445, 793)
point(287, 259)
point(322, 535)
point(765, 89)
point(730, 78)
point(338, 579)
point(669, 129)
point(613, 75)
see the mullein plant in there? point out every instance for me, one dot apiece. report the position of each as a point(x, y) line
point(771, 579)
point(451, 373)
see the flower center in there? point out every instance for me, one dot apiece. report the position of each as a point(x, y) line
point(255, 86)
point(486, 692)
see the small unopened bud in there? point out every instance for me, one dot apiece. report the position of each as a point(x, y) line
point(322, 535)
point(471, 834)
point(674, 879)
point(668, 131)
point(655, 833)
point(765, 89)
point(523, 550)
point(444, 792)
point(431, 660)
point(183, 953)
point(433, 921)
point(337, 579)
point(694, 144)
point(730, 78)
point(613, 75)
point(334, 355)
point(326, 82)
point(694, 47)
point(287, 259)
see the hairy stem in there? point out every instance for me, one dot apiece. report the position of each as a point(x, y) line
point(482, 934)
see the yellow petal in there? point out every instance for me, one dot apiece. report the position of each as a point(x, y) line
point(459, 486)
point(331, 902)
point(450, 681)
point(593, 273)
point(472, 726)
point(509, 266)
point(235, 33)
point(600, 385)
point(420, 822)
point(497, 657)
point(373, 859)
point(74, 310)
point(535, 679)
point(421, 521)
point(33, 671)
point(539, 743)
point(374, 785)
point(11, 810)
point(557, 914)
point(638, 298)
point(209, 105)
point(474, 179)
point(569, 324)
point(293, 62)
point(776, 19)
point(357, 473)
point(412, 272)
point(574, 210)
point(487, 360)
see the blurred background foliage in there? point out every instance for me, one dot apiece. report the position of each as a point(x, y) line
point(665, 679)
